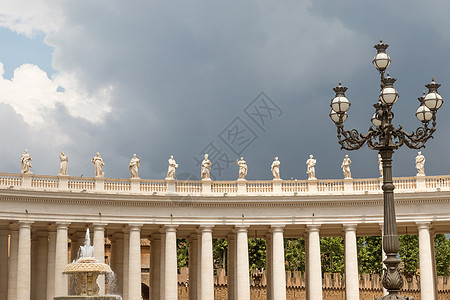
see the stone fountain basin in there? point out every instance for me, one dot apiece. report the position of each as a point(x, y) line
point(87, 268)
point(87, 265)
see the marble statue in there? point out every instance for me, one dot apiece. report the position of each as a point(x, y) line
point(420, 164)
point(172, 167)
point(98, 164)
point(63, 161)
point(346, 167)
point(135, 163)
point(275, 168)
point(242, 168)
point(26, 163)
point(310, 167)
point(380, 165)
point(206, 168)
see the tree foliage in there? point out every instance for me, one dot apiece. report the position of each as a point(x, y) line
point(182, 253)
point(369, 255)
point(409, 254)
point(294, 253)
point(257, 253)
point(442, 253)
point(220, 251)
point(332, 254)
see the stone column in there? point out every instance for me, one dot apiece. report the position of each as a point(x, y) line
point(193, 266)
point(315, 267)
point(34, 268)
point(126, 250)
point(12, 263)
point(162, 266)
point(242, 264)
point(40, 289)
point(134, 263)
point(24, 261)
point(269, 266)
point(199, 266)
point(278, 265)
point(383, 254)
point(61, 259)
point(118, 251)
point(99, 249)
point(306, 239)
point(207, 289)
point(77, 239)
point(351, 263)
point(171, 273)
point(3, 263)
point(51, 262)
point(231, 240)
point(433, 259)
point(155, 266)
point(426, 265)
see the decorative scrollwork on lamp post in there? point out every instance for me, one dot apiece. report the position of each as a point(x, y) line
point(385, 138)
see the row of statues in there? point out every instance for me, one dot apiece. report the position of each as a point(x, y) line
point(135, 163)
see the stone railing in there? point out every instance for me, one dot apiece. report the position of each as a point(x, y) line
point(221, 188)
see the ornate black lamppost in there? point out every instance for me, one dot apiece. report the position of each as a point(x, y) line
point(385, 138)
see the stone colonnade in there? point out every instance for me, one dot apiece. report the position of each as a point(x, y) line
point(33, 257)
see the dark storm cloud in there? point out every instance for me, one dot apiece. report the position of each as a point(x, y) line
point(182, 71)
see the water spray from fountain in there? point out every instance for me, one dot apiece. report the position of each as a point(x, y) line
point(85, 270)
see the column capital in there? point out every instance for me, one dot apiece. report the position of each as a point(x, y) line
point(134, 227)
point(170, 228)
point(25, 224)
point(99, 225)
point(155, 236)
point(117, 235)
point(231, 236)
point(423, 225)
point(349, 226)
point(192, 237)
point(241, 228)
point(14, 227)
point(206, 228)
point(62, 225)
point(41, 234)
point(313, 227)
point(277, 228)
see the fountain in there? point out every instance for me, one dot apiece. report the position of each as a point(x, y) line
point(86, 268)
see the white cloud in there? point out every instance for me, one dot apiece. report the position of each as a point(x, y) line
point(30, 17)
point(32, 94)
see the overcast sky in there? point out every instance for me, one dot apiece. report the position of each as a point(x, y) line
point(231, 78)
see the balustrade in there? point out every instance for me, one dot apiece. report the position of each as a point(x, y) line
point(405, 183)
point(330, 186)
point(434, 182)
point(10, 180)
point(43, 181)
point(370, 184)
point(153, 185)
point(117, 184)
point(81, 183)
point(260, 187)
point(224, 187)
point(294, 186)
point(186, 186)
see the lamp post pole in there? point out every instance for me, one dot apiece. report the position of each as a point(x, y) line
point(385, 138)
